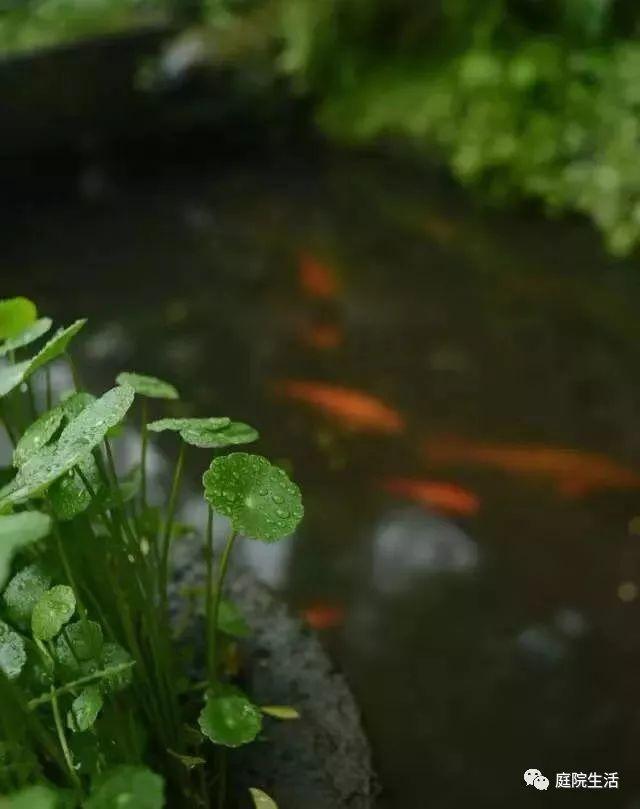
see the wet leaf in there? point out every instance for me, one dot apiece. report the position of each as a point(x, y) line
point(56, 346)
point(17, 531)
point(27, 336)
point(12, 651)
point(127, 787)
point(231, 621)
point(261, 800)
point(16, 314)
point(259, 498)
point(77, 440)
point(229, 718)
point(192, 431)
point(53, 610)
point(85, 709)
point(69, 495)
point(81, 641)
point(23, 592)
point(11, 376)
point(149, 386)
point(75, 402)
point(284, 712)
point(37, 435)
point(114, 655)
point(34, 797)
point(233, 434)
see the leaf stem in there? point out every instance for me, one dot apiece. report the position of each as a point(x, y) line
point(222, 572)
point(32, 400)
point(144, 433)
point(49, 389)
point(75, 684)
point(74, 372)
point(118, 495)
point(7, 426)
point(63, 739)
point(166, 544)
point(208, 553)
point(67, 569)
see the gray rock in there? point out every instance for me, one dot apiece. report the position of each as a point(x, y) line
point(323, 760)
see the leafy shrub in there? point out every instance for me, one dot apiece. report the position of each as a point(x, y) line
point(522, 99)
point(95, 700)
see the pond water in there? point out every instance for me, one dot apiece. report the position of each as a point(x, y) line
point(457, 393)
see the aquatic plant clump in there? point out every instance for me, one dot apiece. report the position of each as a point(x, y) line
point(98, 703)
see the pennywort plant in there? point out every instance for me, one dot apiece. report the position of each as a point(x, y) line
point(97, 708)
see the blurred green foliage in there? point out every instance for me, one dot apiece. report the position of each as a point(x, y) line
point(521, 98)
point(29, 24)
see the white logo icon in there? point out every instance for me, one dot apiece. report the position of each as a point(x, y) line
point(534, 778)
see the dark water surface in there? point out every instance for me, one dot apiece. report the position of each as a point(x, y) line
point(476, 581)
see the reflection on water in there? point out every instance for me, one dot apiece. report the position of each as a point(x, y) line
point(458, 396)
point(407, 545)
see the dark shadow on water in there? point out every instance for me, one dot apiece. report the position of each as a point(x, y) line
point(474, 577)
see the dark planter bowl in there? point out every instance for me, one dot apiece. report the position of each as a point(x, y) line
point(321, 761)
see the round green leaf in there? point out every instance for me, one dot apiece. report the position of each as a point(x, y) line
point(15, 315)
point(75, 402)
point(229, 718)
point(235, 433)
point(37, 435)
point(69, 495)
point(81, 641)
point(261, 800)
point(231, 621)
point(17, 531)
point(113, 655)
point(53, 610)
point(35, 797)
point(149, 386)
point(77, 440)
point(85, 709)
point(193, 425)
point(259, 498)
point(56, 346)
point(23, 592)
point(27, 336)
point(12, 651)
point(127, 787)
point(11, 376)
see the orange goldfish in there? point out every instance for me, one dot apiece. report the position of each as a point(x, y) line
point(573, 472)
point(323, 616)
point(322, 336)
point(318, 280)
point(435, 494)
point(353, 409)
